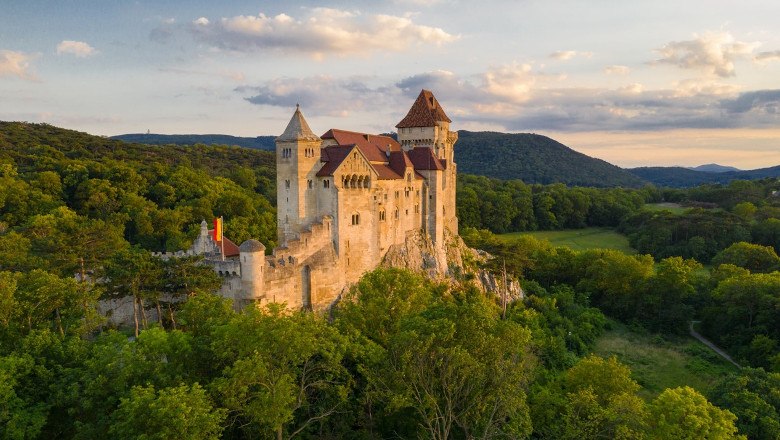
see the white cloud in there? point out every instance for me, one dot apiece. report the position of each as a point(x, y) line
point(512, 81)
point(78, 48)
point(565, 55)
point(321, 31)
point(617, 70)
point(694, 87)
point(16, 64)
point(713, 53)
point(632, 89)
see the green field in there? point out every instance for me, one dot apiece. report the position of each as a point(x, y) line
point(657, 363)
point(674, 208)
point(580, 239)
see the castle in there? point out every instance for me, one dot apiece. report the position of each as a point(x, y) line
point(348, 202)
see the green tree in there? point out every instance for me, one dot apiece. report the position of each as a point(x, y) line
point(755, 258)
point(179, 412)
point(22, 414)
point(753, 395)
point(283, 371)
point(134, 272)
point(683, 413)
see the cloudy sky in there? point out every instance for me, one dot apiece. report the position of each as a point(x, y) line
point(632, 82)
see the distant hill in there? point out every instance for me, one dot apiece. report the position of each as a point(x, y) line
point(259, 142)
point(714, 168)
point(683, 177)
point(533, 158)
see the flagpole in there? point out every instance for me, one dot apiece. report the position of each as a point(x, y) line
point(222, 236)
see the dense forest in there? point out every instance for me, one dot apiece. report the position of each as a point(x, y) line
point(260, 142)
point(400, 356)
point(684, 177)
point(535, 159)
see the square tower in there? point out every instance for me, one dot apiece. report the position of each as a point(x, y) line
point(297, 163)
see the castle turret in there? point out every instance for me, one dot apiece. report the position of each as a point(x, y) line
point(297, 163)
point(427, 127)
point(252, 258)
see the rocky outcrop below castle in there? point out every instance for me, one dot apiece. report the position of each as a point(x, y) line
point(455, 262)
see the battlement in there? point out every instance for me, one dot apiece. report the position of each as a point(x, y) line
point(300, 248)
point(178, 254)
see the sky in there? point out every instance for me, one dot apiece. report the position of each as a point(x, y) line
point(635, 83)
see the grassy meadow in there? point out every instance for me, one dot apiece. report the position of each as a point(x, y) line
point(658, 363)
point(580, 239)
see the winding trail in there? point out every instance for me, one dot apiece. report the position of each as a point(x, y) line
point(706, 342)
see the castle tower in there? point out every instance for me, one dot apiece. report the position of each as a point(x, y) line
point(297, 162)
point(252, 259)
point(427, 126)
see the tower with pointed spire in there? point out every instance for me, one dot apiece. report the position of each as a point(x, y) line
point(297, 160)
point(426, 126)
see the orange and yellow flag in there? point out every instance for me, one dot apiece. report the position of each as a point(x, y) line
point(218, 229)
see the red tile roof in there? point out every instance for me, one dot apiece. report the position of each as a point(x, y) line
point(333, 156)
point(373, 146)
point(231, 249)
point(399, 162)
point(424, 159)
point(425, 112)
point(386, 173)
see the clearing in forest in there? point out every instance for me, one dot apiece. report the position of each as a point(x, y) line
point(658, 362)
point(580, 239)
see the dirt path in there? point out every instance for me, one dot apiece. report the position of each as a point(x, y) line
point(706, 342)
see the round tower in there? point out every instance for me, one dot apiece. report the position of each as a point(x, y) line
point(252, 258)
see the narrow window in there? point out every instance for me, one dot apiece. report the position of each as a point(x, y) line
point(287, 184)
point(396, 213)
point(311, 184)
point(381, 215)
point(416, 209)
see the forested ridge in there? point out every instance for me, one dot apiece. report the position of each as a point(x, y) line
point(534, 158)
point(400, 356)
point(684, 177)
point(259, 142)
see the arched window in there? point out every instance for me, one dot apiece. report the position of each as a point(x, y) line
point(355, 219)
point(382, 215)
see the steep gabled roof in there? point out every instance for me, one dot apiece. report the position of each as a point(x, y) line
point(425, 112)
point(373, 146)
point(337, 154)
point(333, 156)
point(298, 129)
